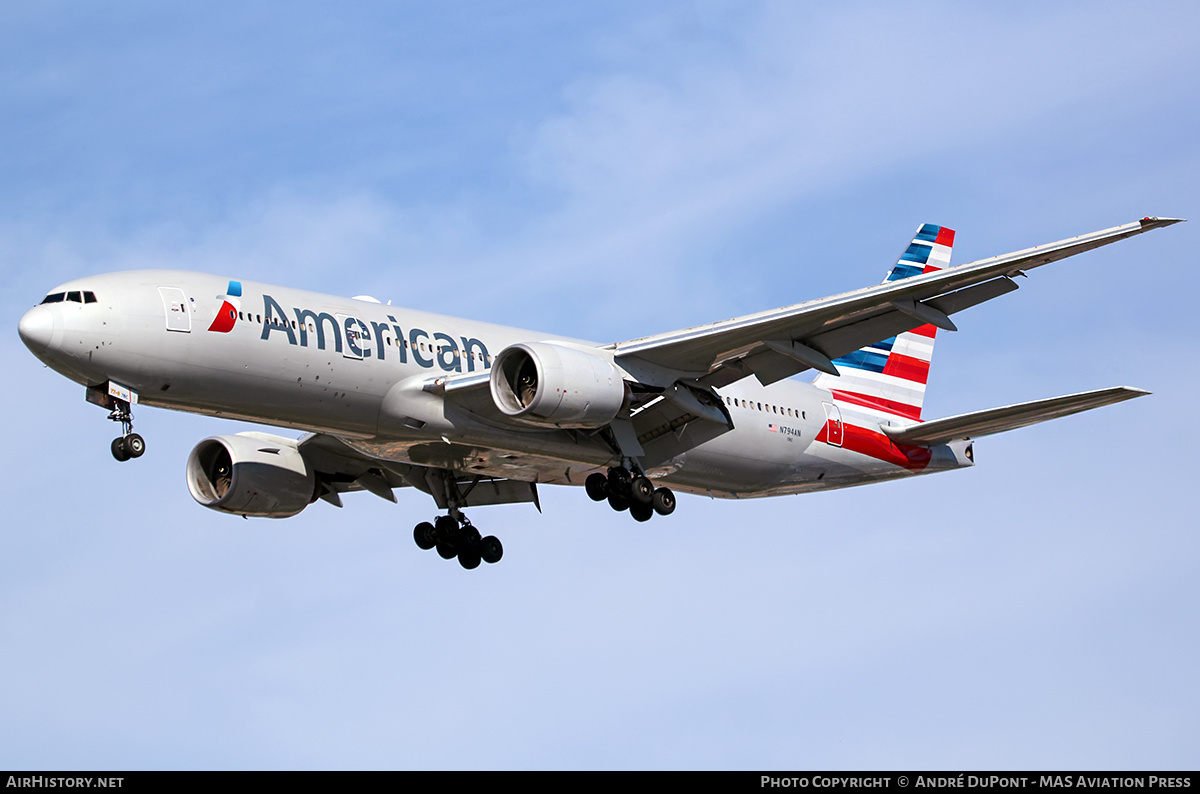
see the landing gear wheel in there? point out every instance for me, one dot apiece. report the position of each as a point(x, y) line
point(469, 537)
point(447, 529)
point(618, 480)
point(446, 550)
point(663, 501)
point(490, 549)
point(425, 536)
point(130, 444)
point(596, 486)
point(469, 559)
point(135, 445)
point(641, 491)
point(618, 502)
point(641, 512)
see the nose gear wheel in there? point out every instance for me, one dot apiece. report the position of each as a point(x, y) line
point(129, 444)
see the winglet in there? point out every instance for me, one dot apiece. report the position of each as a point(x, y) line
point(1154, 223)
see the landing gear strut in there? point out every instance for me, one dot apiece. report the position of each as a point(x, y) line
point(632, 491)
point(129, 444)
point(453, 535)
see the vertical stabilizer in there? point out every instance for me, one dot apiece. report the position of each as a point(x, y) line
point(890, 376)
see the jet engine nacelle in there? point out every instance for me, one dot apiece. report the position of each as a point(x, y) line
point(250, 474)
point(544, 383)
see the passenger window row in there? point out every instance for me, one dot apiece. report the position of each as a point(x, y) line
point(769, 409)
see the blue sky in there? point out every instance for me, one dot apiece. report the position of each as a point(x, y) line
point(607, 172)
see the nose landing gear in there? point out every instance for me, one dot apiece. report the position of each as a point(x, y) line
point(630, 491)
point(129, 444)
point(119, 401)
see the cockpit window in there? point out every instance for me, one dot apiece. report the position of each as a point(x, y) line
point(74, 296)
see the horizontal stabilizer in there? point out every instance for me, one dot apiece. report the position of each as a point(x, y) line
point(1010, 417)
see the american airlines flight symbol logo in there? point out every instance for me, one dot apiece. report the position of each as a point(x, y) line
point(231, 303)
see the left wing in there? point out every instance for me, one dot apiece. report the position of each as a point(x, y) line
point(776, 344)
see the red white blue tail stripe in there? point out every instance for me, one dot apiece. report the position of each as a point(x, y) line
point(889, 376)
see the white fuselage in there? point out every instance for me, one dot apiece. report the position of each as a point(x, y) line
point(360, 370)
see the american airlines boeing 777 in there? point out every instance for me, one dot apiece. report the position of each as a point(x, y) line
point(477, 414)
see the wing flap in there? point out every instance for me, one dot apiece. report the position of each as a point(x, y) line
point(1010, 417)
point(680, 420)
point(483, 491)
point(848, 338)
point(341, 468)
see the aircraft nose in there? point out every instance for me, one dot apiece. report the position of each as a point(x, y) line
point(37, 329)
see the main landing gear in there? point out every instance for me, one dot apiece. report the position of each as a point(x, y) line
point(454, 536)
point(129, 444)
point(630, 491)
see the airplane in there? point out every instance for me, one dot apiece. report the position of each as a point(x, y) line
point(476, 414)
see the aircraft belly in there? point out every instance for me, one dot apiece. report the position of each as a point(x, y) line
point(760, 458)
point(283, 387)
point(507, 463)
point(743, 461)
point(269, 401)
